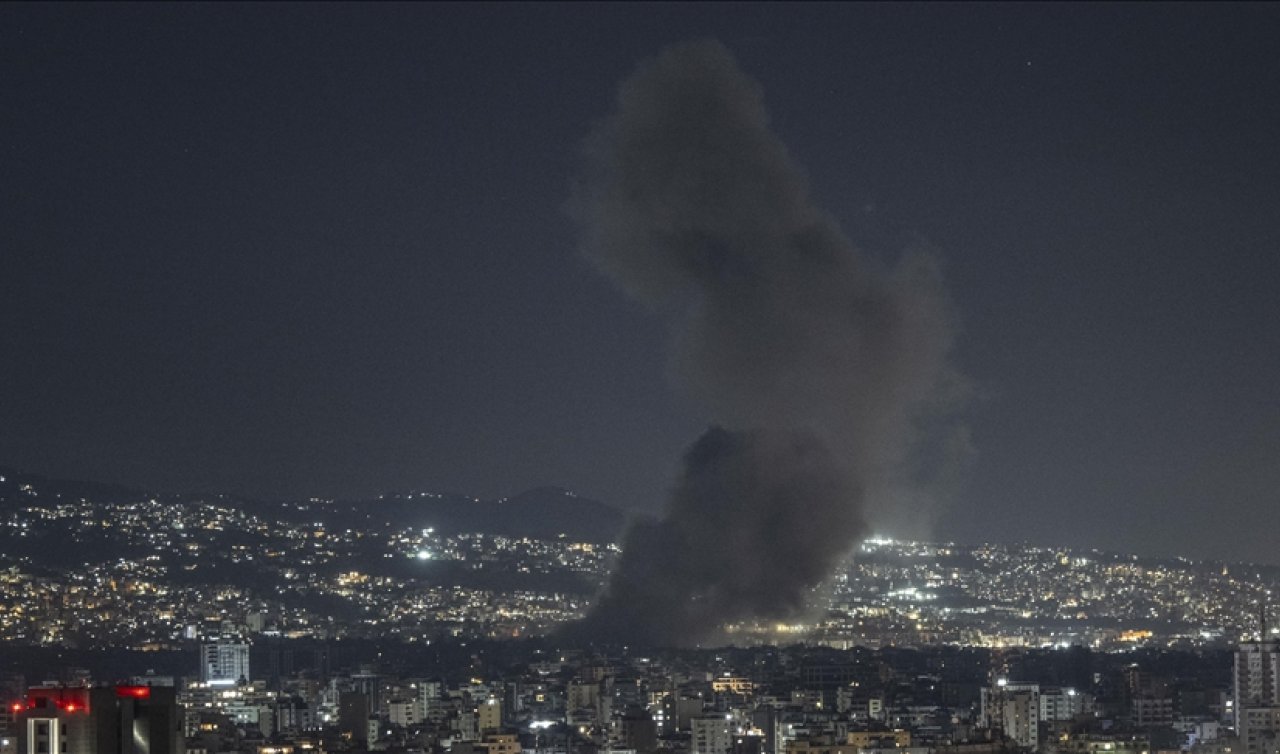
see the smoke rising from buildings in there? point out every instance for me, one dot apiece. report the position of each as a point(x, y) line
point(817, 361)
point(734, 542)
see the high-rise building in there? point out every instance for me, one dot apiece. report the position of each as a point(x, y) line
point(637, 731)
point(368, 683)
point(1061, 704)
point(223, 664)
point(111, 720)
point(710, 734)
point(1013, 708)
point(1260, 730)
point(489, 715)
point(1257, 667)
point(1256, 702)
point(403, 712)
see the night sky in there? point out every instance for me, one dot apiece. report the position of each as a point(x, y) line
point(324, 250)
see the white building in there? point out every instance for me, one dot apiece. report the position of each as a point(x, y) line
point(403, 712)
point(1257, 667)
point(1256, 701)
point(1058, 704)
point(224, 664)
point(710, 735)
point(1014, 708)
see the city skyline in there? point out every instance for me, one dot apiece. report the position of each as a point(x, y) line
point(98, 569)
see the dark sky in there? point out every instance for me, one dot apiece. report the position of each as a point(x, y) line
point(299, 250)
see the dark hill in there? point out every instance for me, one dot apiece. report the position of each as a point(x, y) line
point(542, 513)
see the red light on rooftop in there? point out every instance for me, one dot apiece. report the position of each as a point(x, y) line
point(134, 692)
point(70, 707)
point(16, 706)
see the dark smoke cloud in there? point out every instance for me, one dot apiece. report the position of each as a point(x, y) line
point(731, 544)
point(818, 361)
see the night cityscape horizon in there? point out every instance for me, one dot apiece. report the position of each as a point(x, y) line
point(614, 524)
point(234, 625)
point(551, 378)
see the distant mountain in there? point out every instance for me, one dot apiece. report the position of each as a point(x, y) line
point(541, 513)
point(552, 508)
point(20, 488)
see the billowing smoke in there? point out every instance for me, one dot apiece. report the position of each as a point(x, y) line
point(818, 362)
point(733, 542)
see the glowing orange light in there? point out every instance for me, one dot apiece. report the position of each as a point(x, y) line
point(136, 692)
point(16, 707)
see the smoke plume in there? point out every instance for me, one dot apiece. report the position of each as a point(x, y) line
point(818, 362)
